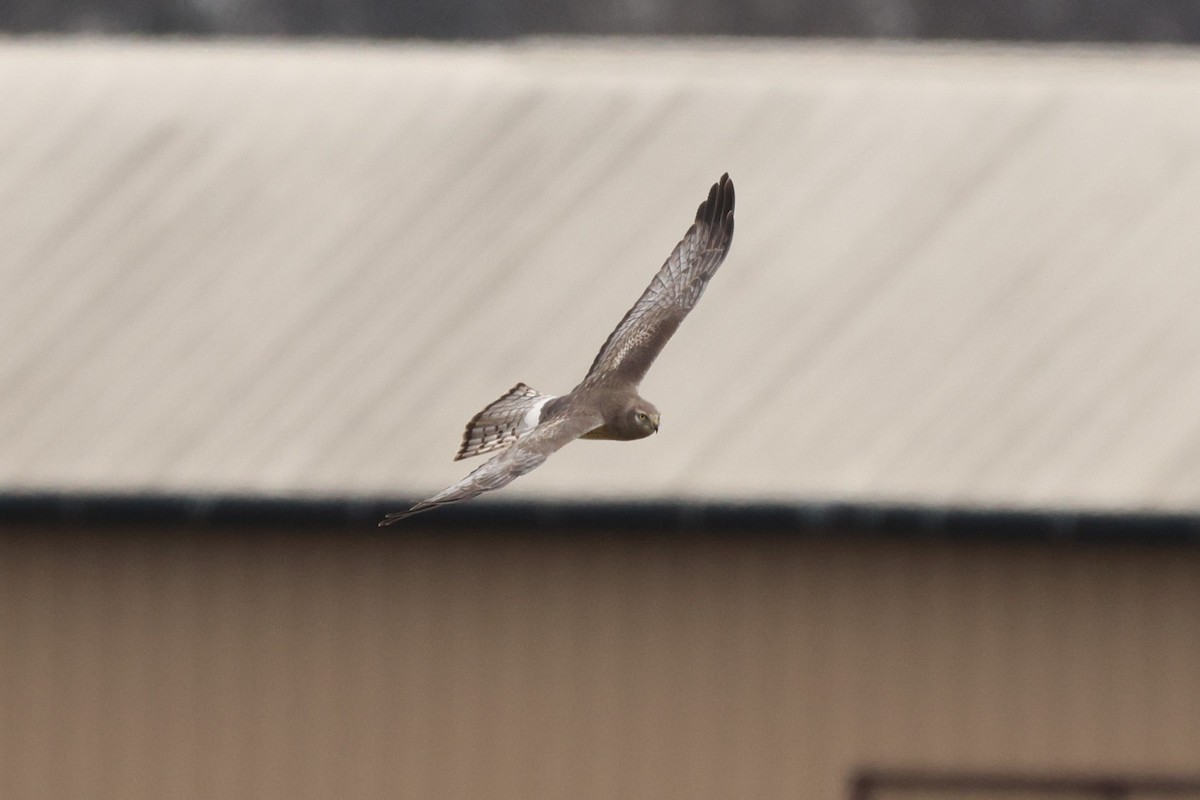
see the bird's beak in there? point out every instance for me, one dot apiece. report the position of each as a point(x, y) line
point(656, 424)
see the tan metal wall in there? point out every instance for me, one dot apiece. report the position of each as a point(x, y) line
point(278, 664)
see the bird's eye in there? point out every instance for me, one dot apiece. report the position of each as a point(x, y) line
point(641, 416)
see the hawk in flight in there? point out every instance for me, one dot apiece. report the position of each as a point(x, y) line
point(528, 426)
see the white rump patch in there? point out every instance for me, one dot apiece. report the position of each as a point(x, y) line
point(534, 414)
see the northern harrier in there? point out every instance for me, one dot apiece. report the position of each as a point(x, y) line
point(529, 426)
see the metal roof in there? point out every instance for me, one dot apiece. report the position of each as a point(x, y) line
point(961, 275)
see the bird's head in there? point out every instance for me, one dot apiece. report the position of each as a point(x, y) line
point(642, 419)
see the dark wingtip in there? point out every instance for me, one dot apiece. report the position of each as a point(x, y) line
point(718, 207)
point(396, 516)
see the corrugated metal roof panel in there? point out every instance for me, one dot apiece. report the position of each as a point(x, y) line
point(960, 275)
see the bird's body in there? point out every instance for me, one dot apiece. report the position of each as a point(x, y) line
point(627, 415)
point(528, 426)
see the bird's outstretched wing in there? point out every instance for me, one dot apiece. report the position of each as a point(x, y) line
point(525, 454)
point(639, 338)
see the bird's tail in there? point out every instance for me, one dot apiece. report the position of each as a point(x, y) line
point(503, 422)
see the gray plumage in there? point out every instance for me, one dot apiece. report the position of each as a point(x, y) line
point(531, 426)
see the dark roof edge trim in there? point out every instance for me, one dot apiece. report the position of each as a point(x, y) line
point(682, 516)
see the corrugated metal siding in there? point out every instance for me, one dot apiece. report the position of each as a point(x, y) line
point(960, 276)
point(193, 664)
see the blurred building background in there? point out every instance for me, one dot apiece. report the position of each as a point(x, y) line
point(1020, 20)
point(921, 521)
